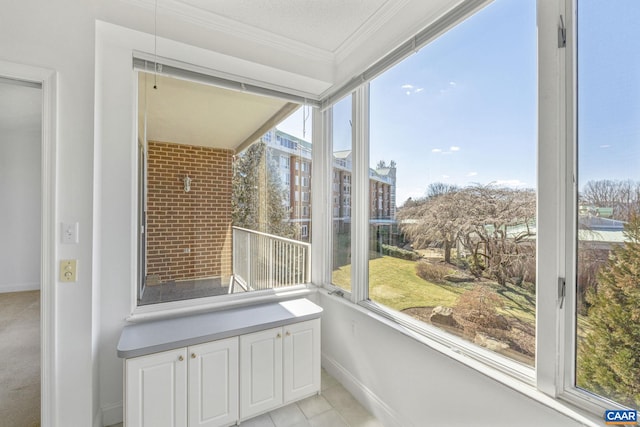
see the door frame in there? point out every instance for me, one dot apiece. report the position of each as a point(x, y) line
point(48, 79)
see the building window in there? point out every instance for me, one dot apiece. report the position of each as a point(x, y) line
point(304, 231)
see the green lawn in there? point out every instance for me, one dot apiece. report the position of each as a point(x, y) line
point(393, 282)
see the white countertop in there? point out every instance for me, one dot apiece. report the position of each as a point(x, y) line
point(140, 339)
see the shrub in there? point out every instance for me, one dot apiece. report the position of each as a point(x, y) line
point(478, 311)
point(432, 272)
point(397, 252)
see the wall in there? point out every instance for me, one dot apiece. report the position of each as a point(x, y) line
point(405, 383)
point(188, 233)
point(58, 35)
point(20, 213)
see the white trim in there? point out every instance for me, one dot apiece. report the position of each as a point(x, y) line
point(363, 394)
point(207, 19)
point(111, 414)
point(219, 302)
point(19, 287)
point(360, 199)
point(48, 79)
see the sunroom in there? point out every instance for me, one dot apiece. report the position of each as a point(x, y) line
point(431, 198)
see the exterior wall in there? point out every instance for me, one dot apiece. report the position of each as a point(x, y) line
point(188, 233)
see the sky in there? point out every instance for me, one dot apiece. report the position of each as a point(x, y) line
point(463, 110)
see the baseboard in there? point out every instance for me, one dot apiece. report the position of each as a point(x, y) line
point(111, 414)
point(19, 287)
point(367, 398)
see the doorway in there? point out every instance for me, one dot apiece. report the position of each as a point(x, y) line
point(21, 106)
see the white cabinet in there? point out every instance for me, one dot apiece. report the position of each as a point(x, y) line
point(301, 360)
point(156, 390)
point(230, 365)
point(194, 386)
point(213, 383)
point(278, 366)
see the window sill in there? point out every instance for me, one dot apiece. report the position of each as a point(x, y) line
point(215, 303)
point(512, 374)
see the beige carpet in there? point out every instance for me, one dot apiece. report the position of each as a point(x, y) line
point(20, 359)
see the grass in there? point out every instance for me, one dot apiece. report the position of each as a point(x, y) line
point(393, 282)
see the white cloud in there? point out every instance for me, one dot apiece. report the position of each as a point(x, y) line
point(454, 148)
point(445, 176)
point(605, 146)
point(436, 150)
point(510, 183)
point(472, 174)
point(453, 84)
point(410, 89)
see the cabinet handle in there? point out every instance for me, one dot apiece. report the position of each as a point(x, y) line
point(180, 358)
point(193, 355)
point(288, 333)
point(279, 335)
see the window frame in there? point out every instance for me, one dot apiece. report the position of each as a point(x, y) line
point(552, 380)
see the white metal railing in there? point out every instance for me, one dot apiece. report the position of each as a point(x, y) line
point(264, 261)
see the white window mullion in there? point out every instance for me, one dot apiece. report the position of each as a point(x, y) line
point(552, 170)
point(321, 190)
point(360, 196)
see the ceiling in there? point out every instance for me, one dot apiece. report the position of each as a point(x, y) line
point(327, 40)
point(190, 113)
point(322, 24)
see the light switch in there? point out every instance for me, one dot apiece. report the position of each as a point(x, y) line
point(69, 232)
point(68, 270)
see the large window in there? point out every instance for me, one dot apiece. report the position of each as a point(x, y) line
point(452, 182)
point(608, 221)
point(216, 216)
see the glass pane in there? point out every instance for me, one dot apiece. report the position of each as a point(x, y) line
point(453, 146)
point(608, 259)
point(341, 194)
point(194, 192)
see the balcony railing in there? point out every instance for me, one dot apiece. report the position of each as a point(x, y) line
point(264, 261)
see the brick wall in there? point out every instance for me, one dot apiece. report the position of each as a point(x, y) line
point(188, 233)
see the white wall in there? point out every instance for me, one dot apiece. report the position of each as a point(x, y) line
point(58, 35)
point(20, 212)
point(405, 383)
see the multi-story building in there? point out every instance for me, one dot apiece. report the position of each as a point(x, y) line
point(292, 157)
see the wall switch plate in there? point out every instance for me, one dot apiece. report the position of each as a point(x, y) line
point(69, 232)
point(68, 271)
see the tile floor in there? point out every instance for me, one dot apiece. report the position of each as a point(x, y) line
point(334, 407)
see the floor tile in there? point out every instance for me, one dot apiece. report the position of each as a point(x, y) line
point(314, 405)
point(287, 416)
point(331, 418)
point(327, 380)
point(263, 420)
point(339, 397)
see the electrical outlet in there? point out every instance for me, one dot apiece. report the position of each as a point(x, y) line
point(68, 270)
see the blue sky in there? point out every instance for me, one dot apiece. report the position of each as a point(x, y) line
point(463, 109)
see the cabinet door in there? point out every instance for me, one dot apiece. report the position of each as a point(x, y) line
point(156, 390)
point(260, 372)
point(213, 383)
point(301, 359)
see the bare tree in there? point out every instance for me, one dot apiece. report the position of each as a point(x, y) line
point(493, 224)
point(439, 188)
point(623, 197)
